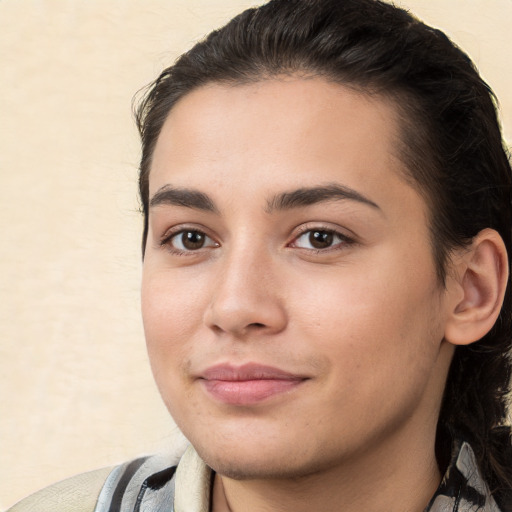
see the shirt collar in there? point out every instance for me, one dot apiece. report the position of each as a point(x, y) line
point(462, 488)
point(193, 484)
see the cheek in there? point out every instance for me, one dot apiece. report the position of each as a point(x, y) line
point(171, 313)
point(381, 355)
point(171, 317)
point(373, 321)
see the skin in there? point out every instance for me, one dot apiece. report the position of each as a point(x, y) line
point(360, 322)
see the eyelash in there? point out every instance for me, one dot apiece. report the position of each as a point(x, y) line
point(344, 240)
point(169, 237)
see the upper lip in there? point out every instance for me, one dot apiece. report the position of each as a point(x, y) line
point(249, 371)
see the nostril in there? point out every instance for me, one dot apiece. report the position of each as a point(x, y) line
point(257, 325)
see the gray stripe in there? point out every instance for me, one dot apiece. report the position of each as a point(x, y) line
point(124, 482)
point(130, 486)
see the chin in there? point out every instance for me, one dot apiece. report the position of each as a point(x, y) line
point(241, 469)
point(265, 462)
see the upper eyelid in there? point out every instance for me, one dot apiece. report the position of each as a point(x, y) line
point(341, 235)
point(180, 228)
point(329, 230)
point(322, 226)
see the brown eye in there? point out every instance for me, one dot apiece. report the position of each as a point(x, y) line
point(321, 239)
point(190, 240)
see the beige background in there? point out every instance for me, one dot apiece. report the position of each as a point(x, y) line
point(76, 388)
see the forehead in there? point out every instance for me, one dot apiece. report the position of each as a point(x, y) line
point(278, 132)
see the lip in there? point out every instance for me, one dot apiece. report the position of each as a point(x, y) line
point(248, 384)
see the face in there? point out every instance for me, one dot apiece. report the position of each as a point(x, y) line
point(293, 316)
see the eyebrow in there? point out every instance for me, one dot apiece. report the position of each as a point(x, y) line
point(306, 196)
point(313, 195)
point(186, 197)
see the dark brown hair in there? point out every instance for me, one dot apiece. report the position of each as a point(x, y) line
point(451, 144)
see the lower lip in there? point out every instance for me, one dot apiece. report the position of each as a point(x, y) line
point(248, 392)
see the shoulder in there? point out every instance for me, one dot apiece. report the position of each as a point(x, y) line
point(95, 491)
point(137, 481)
point(75, 494)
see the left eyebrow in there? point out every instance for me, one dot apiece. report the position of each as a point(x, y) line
point(313, 195)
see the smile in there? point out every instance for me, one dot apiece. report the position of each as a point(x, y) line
point(247, 384)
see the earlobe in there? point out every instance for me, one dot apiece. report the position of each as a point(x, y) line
point(478, 289)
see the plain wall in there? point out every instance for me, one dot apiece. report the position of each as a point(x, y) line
point(76, 391)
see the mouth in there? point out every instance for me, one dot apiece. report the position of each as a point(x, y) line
point(248, 384)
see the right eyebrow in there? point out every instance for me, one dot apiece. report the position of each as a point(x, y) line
point(189, 198)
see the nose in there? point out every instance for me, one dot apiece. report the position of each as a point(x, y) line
point(246, 299)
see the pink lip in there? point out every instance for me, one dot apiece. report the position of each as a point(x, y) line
point(247, 384)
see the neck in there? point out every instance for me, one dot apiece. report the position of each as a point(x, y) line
point(398, 477)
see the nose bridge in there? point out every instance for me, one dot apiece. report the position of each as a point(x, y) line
point(246, 293)
point(247, 266)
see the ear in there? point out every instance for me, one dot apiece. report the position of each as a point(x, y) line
point(477, 288)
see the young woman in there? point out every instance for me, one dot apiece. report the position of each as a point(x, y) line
point(326, 299)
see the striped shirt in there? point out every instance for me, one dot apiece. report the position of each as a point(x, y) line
point(152, 485)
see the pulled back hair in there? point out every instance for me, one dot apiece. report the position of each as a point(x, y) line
point(450, 144)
